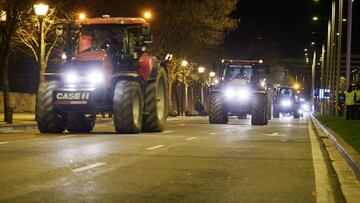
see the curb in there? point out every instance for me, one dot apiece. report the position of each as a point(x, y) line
point(341, 149)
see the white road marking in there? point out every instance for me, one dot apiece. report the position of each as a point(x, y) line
point(155, 147)
point(191, 138)
point(275, 135)
point(212, 133)
point(168, 131)
point(4, 142)
point(182, 124)
point(322, 182)
point(97, 164)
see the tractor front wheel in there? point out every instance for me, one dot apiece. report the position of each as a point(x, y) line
point(259, 110)
point(217, 113)
point(128, 107)
point(47, 119)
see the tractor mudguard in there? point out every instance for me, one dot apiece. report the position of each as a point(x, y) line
point(146, 65)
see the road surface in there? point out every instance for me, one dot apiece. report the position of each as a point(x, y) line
point(191, 161)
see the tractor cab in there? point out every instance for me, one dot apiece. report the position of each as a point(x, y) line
point(120, 39)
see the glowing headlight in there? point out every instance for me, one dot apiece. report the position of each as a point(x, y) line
point(71, 78)
point(243, 94)
point(286, 103)
point(230, 93)
point(95, 77)
point(305, 107)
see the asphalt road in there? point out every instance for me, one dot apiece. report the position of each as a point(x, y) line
point(191, 161)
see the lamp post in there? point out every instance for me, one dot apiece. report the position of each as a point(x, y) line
point(348, 44)
point(201, 70)
point(41, 11)
point(184, 64)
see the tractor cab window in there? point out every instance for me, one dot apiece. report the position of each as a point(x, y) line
point(238, 72)
point(288, 93)
point(106, 38)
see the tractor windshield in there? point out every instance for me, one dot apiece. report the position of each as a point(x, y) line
point(106, 37)
point(286, 92)
point(239, 72)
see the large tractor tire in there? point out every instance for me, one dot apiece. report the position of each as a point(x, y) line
point(276, 113)
point(79, 123)
point(259, 110)
point(47, 119)
point(128, 107)
point(156, 103)
point(296, 111)
point(217, 113)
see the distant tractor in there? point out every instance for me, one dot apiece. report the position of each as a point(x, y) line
point(286, 101)
point(240, 91)
point(110, 73)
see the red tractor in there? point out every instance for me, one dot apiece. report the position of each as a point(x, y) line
point(110, 73)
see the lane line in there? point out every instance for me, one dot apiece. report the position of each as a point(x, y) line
point(169, 131)
point(212, 133)
point(324, 191)
point(191, 138)
point(97, 164)
point(155, 147)
point(4, 142)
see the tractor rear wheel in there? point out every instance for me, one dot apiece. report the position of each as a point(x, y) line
point(128, 106)
point(156, 103)
point(47, 119)
point(79, 123)
point(217, 113)
point(259, 110)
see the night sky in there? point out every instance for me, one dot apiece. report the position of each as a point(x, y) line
point(287, 23)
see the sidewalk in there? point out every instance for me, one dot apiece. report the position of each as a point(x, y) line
point(21, 121)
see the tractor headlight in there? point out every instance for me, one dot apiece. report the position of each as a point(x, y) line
point(71, 78)
point(286, 103)
point(95, 77)
point(243, 94)
point(230, 93)
point(305, 107)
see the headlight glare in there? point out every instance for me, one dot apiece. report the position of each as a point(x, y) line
point(243, 94)
point(95, 77)
point(286, 103)
point(229, 93)
point(71, 78)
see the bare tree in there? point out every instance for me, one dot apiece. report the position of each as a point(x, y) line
point(28, 34)
point(17, 12)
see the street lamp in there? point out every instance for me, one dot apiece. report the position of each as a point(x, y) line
point(147, 15)
point(212, 74)
point(184, 63)
point(41, 11)
point(82, 16)
point(201, 69)
point(315, 18)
